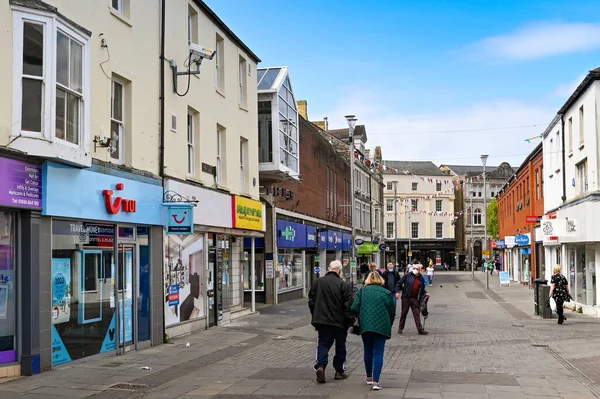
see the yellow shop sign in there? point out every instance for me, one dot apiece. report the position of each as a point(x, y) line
point(247, 213)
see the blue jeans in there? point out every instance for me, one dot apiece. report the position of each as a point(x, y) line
point(430, 278)
point(327, 336)
point(374, 345)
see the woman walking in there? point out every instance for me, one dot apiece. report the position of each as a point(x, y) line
point(559, 290)
point(376, 310)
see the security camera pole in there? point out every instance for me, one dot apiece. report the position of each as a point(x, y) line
point(351, 123)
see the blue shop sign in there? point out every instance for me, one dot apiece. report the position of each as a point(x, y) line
point(346, 242)
point(334, 240)
point(290, 234)
point(522, 239)
point(259, 242)
point(85, 194)
point(323, 240)
point(180, 218)
point(311, 236)
point(500, 244)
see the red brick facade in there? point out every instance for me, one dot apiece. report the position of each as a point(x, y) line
point(325, 179)
point(523, 197)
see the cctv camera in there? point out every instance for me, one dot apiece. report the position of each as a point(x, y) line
point(199, 52)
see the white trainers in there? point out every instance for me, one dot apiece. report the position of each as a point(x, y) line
point(376, 386)
point(369, 380)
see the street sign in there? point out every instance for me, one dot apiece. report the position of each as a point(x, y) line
point(409, 253)
point(504, 278)
point(382, 247)
point(358, 241)
point(317, 258)
point(317, 270)
point(532, 219)
point(486, 252)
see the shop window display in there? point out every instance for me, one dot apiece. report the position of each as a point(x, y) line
point(259, 270)
point(8, 314)
point(184, 277)
point(289, 266)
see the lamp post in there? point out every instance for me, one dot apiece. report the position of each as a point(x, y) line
point(471, 220)
point(351, 119)
point(396, 222)
point(485, 241)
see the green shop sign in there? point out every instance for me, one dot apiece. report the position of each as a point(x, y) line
point(368, 248)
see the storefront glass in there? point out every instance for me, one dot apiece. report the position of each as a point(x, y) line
point(588, 277)
point(184, 277)
point(259, 270)
point(525, 265)
point(143, 284)
point(8, 296)
point(289, 266)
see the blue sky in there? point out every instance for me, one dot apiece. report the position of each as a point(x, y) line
point(413, 70)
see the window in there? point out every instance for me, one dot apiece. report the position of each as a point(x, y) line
point(376, 224)
point(439, 230)
point(190, 143)
point(220, 154)
point(389, 205)
point(117, 121)
point(389, 227)
point(288, 128)
point(414, 204)
point(243, 165)
point(537, 184)
point(265, 132)
point(414, 230)
point(581, 125)
point(479, 193)
point(38, 41)
point(220, 64)
point(390, 186)
point(582, 183)
point(192, 25)
point(477, 216)
point(438, 186)
point(473, 194)
point(438, 205)
point(570, 135)
point(415, 186)
point(242, 82)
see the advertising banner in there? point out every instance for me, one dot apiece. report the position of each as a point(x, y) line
point(61, 290)
point(246, 213)
point(20, 184)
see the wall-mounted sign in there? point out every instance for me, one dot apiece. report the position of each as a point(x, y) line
point(500, 244)
point(358, 241)
point(311, 236)
point(323, 239)
point(119, 203)
point(20, 184)
point(269, 272)
point(523, 239)
point(367, 248)
point(279, 192)
point(179, 217)
point(559, 227)
point(246, 213)
point(382, 247)
point(290, 234)
point(509, 241)
point(346, 242)
point(532, 219)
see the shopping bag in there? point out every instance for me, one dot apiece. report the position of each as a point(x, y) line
point(552, 304)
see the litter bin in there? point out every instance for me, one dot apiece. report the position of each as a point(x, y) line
point(544, 293)
point(536, 295)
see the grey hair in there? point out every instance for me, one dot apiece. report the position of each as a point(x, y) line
point(335, 266)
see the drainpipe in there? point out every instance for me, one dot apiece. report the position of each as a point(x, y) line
point(161, 168)
point(564, 175)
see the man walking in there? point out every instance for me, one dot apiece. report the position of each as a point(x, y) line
point(391, 278)
point(412, 289)
point(430, 271)
point(329, 301)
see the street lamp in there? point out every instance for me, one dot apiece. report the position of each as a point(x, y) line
point(396, 223)
point(485, 242)
point(351, 119)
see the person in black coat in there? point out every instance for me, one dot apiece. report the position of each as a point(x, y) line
point(391, 278)
point(329, 301)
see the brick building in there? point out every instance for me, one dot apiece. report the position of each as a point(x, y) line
point(520, 202)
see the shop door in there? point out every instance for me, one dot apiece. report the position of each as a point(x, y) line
point(212, 287)
point(126, 258)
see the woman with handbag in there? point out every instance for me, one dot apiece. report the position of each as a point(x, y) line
point(376, 312)
point(559, 291)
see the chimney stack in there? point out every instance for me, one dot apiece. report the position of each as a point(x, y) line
point(325, 124)
point(303, 108)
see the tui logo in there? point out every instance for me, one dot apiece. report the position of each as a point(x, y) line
point(113, 207)
point(179, 221)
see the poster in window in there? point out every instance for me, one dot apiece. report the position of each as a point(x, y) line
point(61, 290)
point(3, 301)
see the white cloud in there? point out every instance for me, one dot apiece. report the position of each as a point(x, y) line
point(436, 136)
point(539, 41)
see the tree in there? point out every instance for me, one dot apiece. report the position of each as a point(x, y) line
point(492, 219)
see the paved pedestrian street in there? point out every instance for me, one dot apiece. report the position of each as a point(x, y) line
point(481, 344)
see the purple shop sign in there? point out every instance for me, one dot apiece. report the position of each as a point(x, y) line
point(20, 184)
point(8, 356)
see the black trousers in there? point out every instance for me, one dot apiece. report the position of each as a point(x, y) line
point(327, 336)
point(559, 310)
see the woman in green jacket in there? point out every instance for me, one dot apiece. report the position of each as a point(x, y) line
point(375, 307)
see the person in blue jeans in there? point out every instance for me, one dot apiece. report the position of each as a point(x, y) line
point(376, 310)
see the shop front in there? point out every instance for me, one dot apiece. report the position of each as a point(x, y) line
point(523, 245)
point(208, 271)
point(105, 239)
point(20, 205)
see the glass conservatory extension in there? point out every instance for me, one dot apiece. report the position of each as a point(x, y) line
point(277, 124)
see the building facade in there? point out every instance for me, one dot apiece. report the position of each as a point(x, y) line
point(571, 181)
point(471, 229)
point(520, 208)
point(419, 213)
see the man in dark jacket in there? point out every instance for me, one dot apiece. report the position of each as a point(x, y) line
point(329, 300)
point(412, 290)
point(391, 278)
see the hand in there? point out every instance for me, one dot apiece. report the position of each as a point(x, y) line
point(427, 295)
point(397, 295)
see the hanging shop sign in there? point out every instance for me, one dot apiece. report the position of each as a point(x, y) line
point(358, 241)
point(247, 213)
point(179, 213)
point(523, 239)
point(20, 184)
point(500, 244)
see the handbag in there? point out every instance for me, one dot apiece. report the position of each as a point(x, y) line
point(355, 329)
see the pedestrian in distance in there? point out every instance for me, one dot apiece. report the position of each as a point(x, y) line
point(492, 265)
point(430, 271)
point(412, 290)
point(329, 301)
point(391, 278)
point(559, 291)
point(376, 311)
point(364, 270)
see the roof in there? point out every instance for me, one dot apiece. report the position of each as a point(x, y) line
point(420, 168)
point(461, 170)
point(359, 130)
point(592, 76)
point(270, 80)
point(219, 22)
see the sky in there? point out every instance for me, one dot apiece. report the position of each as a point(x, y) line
point(444, 81)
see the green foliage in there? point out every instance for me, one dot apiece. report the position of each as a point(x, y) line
point(492, 219)
point(580, 310)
